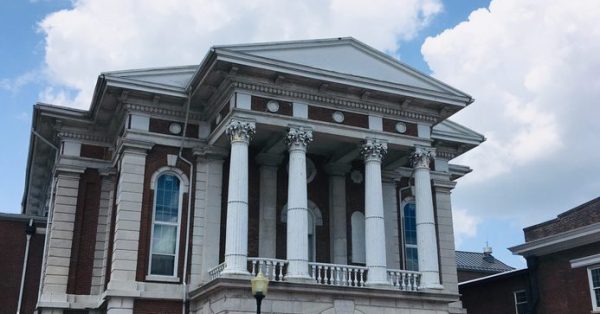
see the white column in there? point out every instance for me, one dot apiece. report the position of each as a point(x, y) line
point(373, 151)
point(268, 203)
point(426, 234)
point(337, 208)
point(61, 235)
point(297, 205)
point(102, 234)
point(207, 217)
point(127, 220)
point(236, 238)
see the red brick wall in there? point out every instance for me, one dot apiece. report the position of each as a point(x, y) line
point(561, 288)
point(260, 104)
point(12, 249)
point(582, 215)
point(156, 159)
point(162, 127)
point(84, 233)
point(494, 296)
point(156, 307)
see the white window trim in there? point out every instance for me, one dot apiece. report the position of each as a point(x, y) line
point(183, 187)
point(595, 308)
point(407, 200)
point(515, 299)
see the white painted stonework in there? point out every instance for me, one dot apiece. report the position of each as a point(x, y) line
point(297, 210)
point(236, 241)
point(373, 151)
point(426, 235)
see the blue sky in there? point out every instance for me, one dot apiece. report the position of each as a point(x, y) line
point(529, 64)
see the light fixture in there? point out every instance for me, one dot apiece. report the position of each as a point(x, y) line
point(259, 284)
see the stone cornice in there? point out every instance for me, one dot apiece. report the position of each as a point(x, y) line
point(161, 111)
point(445, 155)
point(336, 101)
point(84, 137)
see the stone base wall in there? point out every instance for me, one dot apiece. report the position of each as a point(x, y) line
point(225, 296)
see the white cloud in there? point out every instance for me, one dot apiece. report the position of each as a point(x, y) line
point(532, 67)
point(103, 35)
point(465, 225)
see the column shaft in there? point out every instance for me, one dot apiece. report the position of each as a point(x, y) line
point(297, 211)
point(236, 238)
point(426, 234)
point(207, 219)
point(373, 151)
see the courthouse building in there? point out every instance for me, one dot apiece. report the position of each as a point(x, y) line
point(325, 164)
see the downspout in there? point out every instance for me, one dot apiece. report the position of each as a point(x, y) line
point(189, 205)
point(50, 211)
point(29, 230)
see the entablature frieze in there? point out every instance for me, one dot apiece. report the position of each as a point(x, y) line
point(170, 112)
point(332, 101)
point(393, 140)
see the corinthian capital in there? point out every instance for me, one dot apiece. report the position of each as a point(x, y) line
point(298, 137)
point(422, 156)
point(240, 131)
point(373, 149)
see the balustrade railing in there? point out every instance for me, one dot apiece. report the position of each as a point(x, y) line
point(326, 274)
point(338, 275)
point(271, 268)
point(216, 271)
point(404, 280)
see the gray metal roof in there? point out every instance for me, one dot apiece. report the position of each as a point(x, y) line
point(476, 261)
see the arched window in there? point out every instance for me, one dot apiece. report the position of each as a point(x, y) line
point(166, 219)
point(358, 237)
point(409, 232)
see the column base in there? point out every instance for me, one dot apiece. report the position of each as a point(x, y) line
point(236, 274)
point(378, 285)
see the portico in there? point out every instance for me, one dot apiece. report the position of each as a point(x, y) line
point(276, 145)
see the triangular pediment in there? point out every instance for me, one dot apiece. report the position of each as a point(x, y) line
point(345, 56)
point(170, 76)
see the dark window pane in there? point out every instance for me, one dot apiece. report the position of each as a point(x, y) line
point(163, 265)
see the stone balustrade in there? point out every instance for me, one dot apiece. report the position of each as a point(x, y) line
point(327, 274)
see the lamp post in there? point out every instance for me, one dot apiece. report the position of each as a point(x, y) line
point(260, 283)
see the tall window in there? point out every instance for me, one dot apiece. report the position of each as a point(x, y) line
point(520, 301)
point(594, 278)
point(409, 225)
point(166, 217)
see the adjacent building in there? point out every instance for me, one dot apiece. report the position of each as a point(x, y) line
point(325, 164)
point(472, 265)
point(562, 274)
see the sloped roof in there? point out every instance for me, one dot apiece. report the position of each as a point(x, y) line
point(475, 261)
point(177, 77)
point(452, 131)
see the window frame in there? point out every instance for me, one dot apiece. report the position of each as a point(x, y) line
point(516, 301)
point(595, 302)
point(407, 200)
point(183, 186)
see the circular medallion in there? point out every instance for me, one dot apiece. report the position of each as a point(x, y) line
point(273, 106)
point(400, 127)
point(175, 128)
point(338, 117)
point(356, 176)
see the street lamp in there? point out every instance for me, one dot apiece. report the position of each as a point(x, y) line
point(260, 283)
